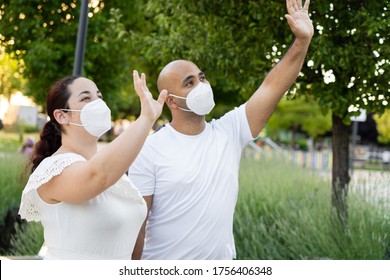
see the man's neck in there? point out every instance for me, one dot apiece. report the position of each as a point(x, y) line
point(189, 126)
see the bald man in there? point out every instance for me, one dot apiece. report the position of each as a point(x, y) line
point(188, 170)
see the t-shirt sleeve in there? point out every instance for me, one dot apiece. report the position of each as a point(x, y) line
point(141, 172)
point(52, 166)
point(235, 124)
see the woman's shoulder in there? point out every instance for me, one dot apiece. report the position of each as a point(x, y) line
point(52, 166)
point(60, 159)
point(47, 169)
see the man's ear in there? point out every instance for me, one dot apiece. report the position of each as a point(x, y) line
point(171, 102)
point(60, 116)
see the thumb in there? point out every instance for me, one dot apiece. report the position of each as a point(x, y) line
point(289, 18)
point(291, 22)
point(162, 96)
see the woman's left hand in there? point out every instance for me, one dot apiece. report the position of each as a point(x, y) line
point(150, 107)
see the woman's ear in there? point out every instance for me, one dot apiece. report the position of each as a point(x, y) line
point(60, 116)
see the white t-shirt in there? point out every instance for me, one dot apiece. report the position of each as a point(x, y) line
point(104, 227)
point(194, 183)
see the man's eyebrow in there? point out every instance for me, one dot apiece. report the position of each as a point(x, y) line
point(190, 77)
point(187, 79)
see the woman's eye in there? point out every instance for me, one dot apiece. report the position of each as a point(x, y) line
point(85, 99)
point(203, 78)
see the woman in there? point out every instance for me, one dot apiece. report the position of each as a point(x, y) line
point(88, 208)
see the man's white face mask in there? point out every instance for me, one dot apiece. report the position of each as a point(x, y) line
point(199, 100)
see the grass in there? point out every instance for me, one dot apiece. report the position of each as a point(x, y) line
point(27, 240)
point(284, 212)
point(12, 141)
point(11, 184)
point(29, 236)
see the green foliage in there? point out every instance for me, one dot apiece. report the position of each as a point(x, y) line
point(383, 127)
point(44, 35)
point(11, 70)
point(41, 34)
point(27, 240)
point(29, 236)
point(223, 37)
point(237, 42)
point(284, 212)
point(351, 44)
point(11, 186)
point(300, 114)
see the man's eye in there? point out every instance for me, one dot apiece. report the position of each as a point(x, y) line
point(203, 78)
point(85, 99)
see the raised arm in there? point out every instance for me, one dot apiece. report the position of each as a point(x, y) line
point(264, 101)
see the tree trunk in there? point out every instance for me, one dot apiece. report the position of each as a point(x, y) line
point(340, 169)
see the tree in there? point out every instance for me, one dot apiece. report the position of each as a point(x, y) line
point(383, 127)
point(236, 43)
point(346, 71)
point(11, 70)
point(44, 34)
point(222, 37)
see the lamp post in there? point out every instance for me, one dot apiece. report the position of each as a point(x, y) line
point(81, 38)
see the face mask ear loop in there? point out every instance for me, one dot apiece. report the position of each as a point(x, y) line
point(70, 110)
point(180, 97)
point(68, 122)
point(76, 124)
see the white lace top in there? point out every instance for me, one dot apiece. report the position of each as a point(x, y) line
point(105, 227)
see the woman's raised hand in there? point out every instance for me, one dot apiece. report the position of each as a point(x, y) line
point(150, 108)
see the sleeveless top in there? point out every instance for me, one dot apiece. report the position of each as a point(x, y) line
point(104, 227)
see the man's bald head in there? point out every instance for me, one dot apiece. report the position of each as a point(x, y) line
point(173, 73)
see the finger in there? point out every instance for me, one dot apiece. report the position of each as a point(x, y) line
point(143, 78)
point(291, 22)
point(136, 80)
point(306, 7)
point(299, 4)
point(290, 8)
point(295, 6)
point(135, 76)
point(139, 87)
point(144, 85)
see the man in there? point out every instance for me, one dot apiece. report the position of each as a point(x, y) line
point(188, 170)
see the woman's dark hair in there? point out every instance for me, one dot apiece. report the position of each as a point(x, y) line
point(50, 137)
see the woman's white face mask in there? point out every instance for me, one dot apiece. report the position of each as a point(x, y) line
point(95, 117)
point(200, 99)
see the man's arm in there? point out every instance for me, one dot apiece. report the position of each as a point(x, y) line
point(139, 244)
point(264, 101)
